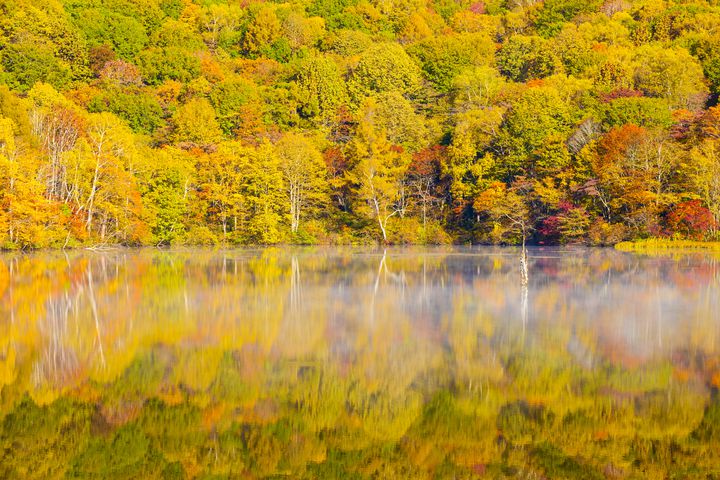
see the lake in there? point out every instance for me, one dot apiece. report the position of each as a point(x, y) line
point(358, 363)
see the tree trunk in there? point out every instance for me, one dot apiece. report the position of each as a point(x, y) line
point(91, 200)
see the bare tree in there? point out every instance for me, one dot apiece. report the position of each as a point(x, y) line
point(58, 132)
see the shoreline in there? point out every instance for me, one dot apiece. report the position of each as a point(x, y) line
point(652, 244)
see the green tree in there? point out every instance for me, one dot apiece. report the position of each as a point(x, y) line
point(524, 58)
point(139, 109)
point(552, 16)
point(172, 63)
point(534, 133)
point(165, 186)
point(124, 33)
point(228, 98)
point(444, 57)
point(670, 73)
point(382, 68)
point(322, 89)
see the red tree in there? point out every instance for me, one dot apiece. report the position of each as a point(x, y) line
point(691, 219)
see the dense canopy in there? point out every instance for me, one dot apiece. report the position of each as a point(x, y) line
point(346, 121)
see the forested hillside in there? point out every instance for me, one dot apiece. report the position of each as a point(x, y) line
point(344, 121)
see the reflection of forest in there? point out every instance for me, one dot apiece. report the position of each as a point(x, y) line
point(318, 363)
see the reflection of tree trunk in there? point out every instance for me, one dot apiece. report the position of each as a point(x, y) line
point(658, 304)
point(93, 306)
point(381, 268)
point(524, 277)
point(58, 364)
point(524, 307)
point(425, 299)
point(12, 283)
point(524, 281)
point(295, 286)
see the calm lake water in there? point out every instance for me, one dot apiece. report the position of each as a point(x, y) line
point(356, 363)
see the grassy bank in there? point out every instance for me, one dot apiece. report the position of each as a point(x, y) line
point(651, 244)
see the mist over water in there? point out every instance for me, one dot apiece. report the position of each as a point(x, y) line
point(354, 348)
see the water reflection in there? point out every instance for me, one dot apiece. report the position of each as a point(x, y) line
point(339, 363)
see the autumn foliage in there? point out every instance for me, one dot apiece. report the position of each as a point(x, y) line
point(148, 123)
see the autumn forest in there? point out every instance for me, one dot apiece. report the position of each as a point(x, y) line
point(203, 122)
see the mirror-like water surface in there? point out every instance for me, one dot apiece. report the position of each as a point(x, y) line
point(343, 363)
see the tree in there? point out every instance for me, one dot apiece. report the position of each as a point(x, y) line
point(444, 57)
point(220, 24)
point(691, 219)
point(221, 185)
point(523, 58)
point(394, 114)
point(100, 26)
point(476, 87)
point(58, 128)
point(8, 178)
point(119, 73)
point(534, 133)
point(195, 123)
point(228, 98)
point(25, 64)
point(554, 13)
point(382, 68)
point(305, 177)
point(265, 195)
point(377, 174)
point(423, 178)
point(139, 109)
point(702, 170)
point(612, 152)
point(165, 184)
point(264, 29)
point(634, 167)
point(639, 111)
point(507, 209)
point(40, 45)
point(322, 89)
point(468, 163)
point(670, 73)
point(112, 201)
point(158, 65)
point(301, 31)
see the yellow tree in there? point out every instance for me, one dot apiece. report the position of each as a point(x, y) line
point(507, 209)
point(221, 179)
point(264, 193)
point(702, 170)
point(305, 176)
point(195, 124)
point(8, 174)
point(27, 219)
point(378, 172)
point(102, 188)
point(262, 31)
